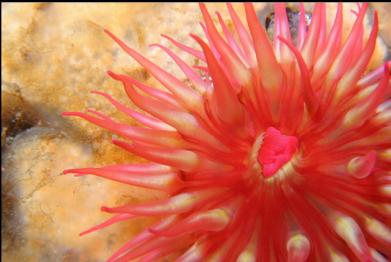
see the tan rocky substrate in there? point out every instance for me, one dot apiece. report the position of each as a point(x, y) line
point(53, 55)
point(45, 211)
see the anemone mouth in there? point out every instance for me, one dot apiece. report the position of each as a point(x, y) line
point(273, 154)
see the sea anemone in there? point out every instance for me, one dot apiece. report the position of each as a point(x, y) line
point(270, 151)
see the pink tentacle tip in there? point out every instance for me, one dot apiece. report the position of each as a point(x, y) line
point(68, 113)
point(97, 92)
point(113, 75)
point(105, 209)
point(387, 67)
point(67, 171)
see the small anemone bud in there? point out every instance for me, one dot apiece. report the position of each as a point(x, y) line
point(298, 247)
point(362, 166)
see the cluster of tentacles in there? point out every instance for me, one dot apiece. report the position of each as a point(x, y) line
point(270, 151)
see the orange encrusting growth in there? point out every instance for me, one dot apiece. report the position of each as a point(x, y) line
point(276, 150)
